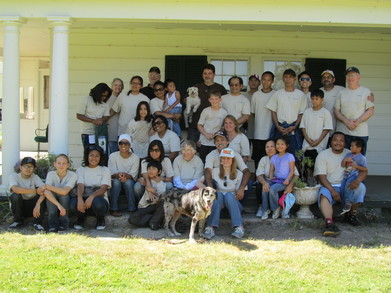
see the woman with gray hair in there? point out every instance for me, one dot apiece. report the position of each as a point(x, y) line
point(188, 167)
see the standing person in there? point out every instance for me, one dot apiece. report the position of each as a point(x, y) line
point(124, 166)
point(210, 122)
point(204, 89)
point(94, 113)
point(329, 172)
point(305, 82)
point(117, 85)
point(287, 106)
point(262, 116)
point(172, 105)
point(237, 140)
point(235, 103)
point(253, 84)
point(353, 108)
point(153, 76)
point(93, 181)
point(126, 105)
point(27, 195)
point(138, 129)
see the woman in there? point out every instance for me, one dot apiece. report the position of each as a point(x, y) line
point(117, 85)
point(92, 184)
point(94, 113)
point(227, 178)
point(155, 153)
point(237, 140)
point(157, 103)
point(170, 140)
point(188, 168)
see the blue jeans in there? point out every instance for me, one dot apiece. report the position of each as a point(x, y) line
point(347, 193)
point(54, 219)
point(115, 191)
point(139, 189)
point(274, 196)
point(98, 208)
point(175, 125)
point(358, 194)
point(233, 206)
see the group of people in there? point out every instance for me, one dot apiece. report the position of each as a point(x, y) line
point(138, 137)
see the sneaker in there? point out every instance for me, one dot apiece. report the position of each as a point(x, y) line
point(209, 233)
point(265, 215)
point(352, 220)
point(79, 223)
point(52, 230)
point(15, 225)
point(259, 213)
point(61, 228)
point(116, 214)
point(276, 213)
point(238, 233)
point(285, 216)
point(331, 230)
point(100, 223)
point(38, 227)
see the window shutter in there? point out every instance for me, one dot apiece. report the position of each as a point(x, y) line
point(315, 66)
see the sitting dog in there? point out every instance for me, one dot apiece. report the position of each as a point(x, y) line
point(193, 102)
point(195, 204)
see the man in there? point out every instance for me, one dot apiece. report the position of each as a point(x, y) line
point(253, 84)
point(353, 108)
point(208, 75)
point(329, 172)
point(305, 83)
point(153, 76)
point(287, 106)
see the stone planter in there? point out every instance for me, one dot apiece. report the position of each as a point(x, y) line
point(305, 197)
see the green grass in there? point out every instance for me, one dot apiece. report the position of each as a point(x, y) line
point(76, 263)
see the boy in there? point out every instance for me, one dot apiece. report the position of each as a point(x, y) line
point(27, 195)
point(354, 162)
point(210, 121)
point(150, 209)
point(316, 125)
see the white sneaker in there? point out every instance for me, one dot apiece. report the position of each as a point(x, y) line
point(276, 213)
point(239, 232)
point(77, 227)
point(15, 225)
point(285, 216)
point(259, 213)
point(38, 227)
point(265, 215)
point(209, 233)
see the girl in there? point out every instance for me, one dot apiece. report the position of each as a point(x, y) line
point(138, 130)
point(58, 185)
point(92, 184)
point(172, 104)
point(282, 167)
point(117, 85)
point(228, 179)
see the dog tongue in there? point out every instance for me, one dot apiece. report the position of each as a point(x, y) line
point(208, 205)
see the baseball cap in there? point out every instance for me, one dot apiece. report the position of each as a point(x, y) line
point(154, 69)
point(329, 72)
point(125, 137)
point(352, 69)
point(221, 133)
point(28, 160)
point(227, 153)
point(255, 76)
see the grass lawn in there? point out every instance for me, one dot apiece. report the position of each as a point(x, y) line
point(76, 263)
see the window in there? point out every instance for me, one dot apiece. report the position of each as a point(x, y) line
point(278, 68)
point(26, 106)
point(226, 68)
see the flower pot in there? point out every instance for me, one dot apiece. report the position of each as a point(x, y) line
point(305, 197)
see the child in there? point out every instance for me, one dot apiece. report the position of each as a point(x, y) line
point(27, 195)
point(354, 162)
point(138, 130)
point(316, 125)
point(56, 190)
point(210, 122)
point(282, 167)
point(172, 104)
point(150, 210)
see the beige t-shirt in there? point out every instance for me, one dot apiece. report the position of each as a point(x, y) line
point(69, 180)
point(232, 185)
point(156, 104)
point(160, 188)
point(97, 176)
point(139, 132)
point(236, 106)
point(91, 110)
point(33, 182)
point(212, 121)
point(188, 170)
point(128, 165)
point(240, 145)
point(167, 170)
point(126, 106)
point(287, 105)
point(112, 124)
point(213, 160)
point(329, 164)
point(314, 123)
point(170, 141)
point(262, 115)
point(329, 101)
point(352, 104)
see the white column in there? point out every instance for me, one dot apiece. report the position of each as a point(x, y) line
point(11, 78)
point(58, 123)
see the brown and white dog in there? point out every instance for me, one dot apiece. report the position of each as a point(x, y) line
point(195, 204)
point(193, 102)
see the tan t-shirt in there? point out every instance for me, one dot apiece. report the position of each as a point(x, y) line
point(97, 176)
point(91, 110)
point(170, 141)
point(212, 121)
point(232, 185)
point(213, 160)
point(112, 124)
point(329, 164)
point(160, 188)
point(236, 106)
point(262, 115)
point(329, 101)
point(167, 170)
point(240, 145)
point(156, 105)
point(69, 180)
point(128, 165)
point(33, 182)
point(188, 170)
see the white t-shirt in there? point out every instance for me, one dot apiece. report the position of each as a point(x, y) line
point(232, 185)
point(69, 180)
point(91, 110)
point(329, 164)
point(212, 160)
point(212, 121)
point(287, 105)
point(167, 170)
point(352, 104)
point(156, 104)
point(128, 165)
point(262, 115)
point(112, 124)
point(236, 106)
point(126, 106)
point(170, 141)
point(188, 170)
point(97, 176)
point(240, 145)
point(314, 123)
point(160, 187)
point(329, 101)
point(139, 132)
point(33, 182)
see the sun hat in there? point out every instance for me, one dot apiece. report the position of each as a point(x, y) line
point(227, 152)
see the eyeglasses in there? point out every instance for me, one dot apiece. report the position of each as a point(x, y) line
point(225, 181)
point(154, 150)
point(305, 79)
point(157, 123)
point(158, 89)
point(124, 143)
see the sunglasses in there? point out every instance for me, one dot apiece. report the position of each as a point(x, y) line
point(124, 143)
point(225, 181)
point(158, 90)
point(305, 79)
point(154, 150)
point(157, 123)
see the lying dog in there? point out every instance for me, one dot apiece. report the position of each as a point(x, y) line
point(193, 102)
point(195, 204)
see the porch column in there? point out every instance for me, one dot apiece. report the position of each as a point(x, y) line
point(58, 109)
point(11, 78)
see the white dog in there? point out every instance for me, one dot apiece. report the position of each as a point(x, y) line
point(193, 101)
